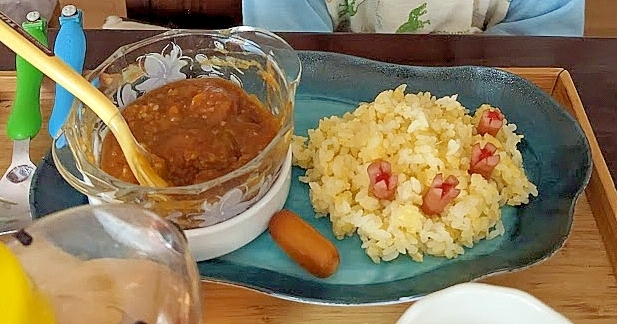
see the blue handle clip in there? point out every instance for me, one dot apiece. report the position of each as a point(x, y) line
point(70, 46)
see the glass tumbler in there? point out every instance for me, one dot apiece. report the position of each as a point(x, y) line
point(111, 263)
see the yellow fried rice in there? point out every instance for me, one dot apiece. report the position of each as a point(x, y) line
point(421, 136)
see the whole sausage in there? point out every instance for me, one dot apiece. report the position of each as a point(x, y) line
point(304, 244)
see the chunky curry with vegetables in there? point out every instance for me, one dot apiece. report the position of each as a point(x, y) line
point(199, 129)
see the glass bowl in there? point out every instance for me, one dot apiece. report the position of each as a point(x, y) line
point(260, 62)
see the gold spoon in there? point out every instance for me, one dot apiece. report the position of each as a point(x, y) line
point(24, 45)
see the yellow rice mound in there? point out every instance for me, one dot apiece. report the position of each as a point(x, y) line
point(421, 136)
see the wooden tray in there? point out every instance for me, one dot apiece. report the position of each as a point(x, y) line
point(578, 281)
point(600, 193)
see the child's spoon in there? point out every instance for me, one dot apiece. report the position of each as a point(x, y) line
point(15, 38)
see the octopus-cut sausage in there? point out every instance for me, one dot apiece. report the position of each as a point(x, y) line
point(383, 182)
point(439, 194)
point(490, 122)
point(483, 160)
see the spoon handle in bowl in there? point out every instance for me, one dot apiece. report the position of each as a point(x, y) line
point(24, 45)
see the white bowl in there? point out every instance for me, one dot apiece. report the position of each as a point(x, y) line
point(219, 239)
point(478, 303)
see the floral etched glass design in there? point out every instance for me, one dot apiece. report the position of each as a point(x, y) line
point(258, 61)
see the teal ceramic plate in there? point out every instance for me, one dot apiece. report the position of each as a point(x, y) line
point(556, 158)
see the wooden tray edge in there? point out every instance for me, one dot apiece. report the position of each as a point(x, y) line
point(600, 191)
point(543, 77)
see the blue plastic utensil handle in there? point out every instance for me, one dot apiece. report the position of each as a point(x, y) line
point(70, 46)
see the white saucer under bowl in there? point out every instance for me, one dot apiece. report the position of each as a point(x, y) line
point(213, 241)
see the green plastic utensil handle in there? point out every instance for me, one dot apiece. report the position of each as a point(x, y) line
point(25, 118)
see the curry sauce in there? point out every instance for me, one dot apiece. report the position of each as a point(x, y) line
point(200, 129)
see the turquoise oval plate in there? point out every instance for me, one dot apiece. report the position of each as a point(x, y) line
point(556, 158)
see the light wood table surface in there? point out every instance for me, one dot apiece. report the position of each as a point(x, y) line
point(577, 281)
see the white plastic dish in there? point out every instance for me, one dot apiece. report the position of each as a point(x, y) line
point(213, 241)
point(219, 239)
point(478, 303)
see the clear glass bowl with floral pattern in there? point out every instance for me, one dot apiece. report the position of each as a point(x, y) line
point(260, 62)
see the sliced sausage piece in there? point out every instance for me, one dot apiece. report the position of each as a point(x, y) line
point(490, 122)
point(439, 194)
point(483, 160)
point(383, 182)
point(304, 244)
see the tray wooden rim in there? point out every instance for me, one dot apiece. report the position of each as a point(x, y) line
point(600, 192)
